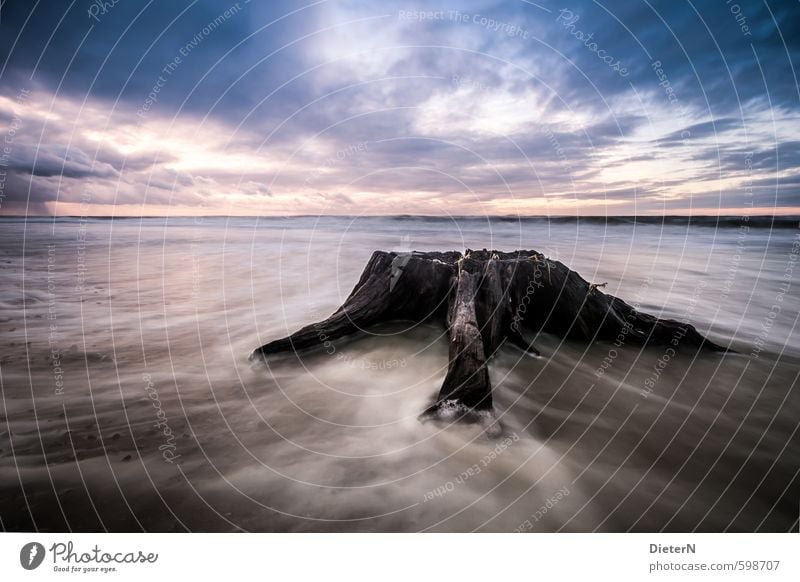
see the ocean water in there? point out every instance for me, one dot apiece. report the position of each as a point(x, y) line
point(129, 402)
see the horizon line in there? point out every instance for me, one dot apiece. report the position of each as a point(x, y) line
point(441, 216)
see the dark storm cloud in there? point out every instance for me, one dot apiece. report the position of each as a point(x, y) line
point(783, 156)
point(700, 130)
point(49, 160)
point(704, 51)
point(121, 53)
point(493, 94)
point(24, 188)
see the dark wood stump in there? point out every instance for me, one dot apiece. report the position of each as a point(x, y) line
point(486, 299)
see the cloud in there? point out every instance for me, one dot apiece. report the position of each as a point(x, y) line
point(336, 197)
point(50, 160)
point(485, 105)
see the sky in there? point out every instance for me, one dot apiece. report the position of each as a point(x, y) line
point(345, 107)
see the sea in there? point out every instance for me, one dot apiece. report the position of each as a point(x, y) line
point(130, 403)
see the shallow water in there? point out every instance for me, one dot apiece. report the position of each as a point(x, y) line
point(129, 401)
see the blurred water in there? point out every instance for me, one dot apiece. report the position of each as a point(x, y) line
point(129, 402)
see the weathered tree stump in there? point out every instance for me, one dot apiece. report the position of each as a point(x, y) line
point(485, 298)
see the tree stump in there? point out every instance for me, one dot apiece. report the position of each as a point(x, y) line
point(486, 299)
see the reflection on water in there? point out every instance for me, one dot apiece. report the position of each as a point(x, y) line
point(131, 404)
